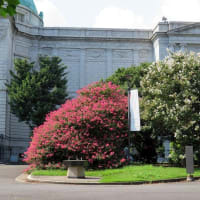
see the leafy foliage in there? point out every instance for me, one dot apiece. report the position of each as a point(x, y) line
point(8, 7)
point(133, 74)
point(35, 92)
point(92, 126)
point(171, 96)
point(128, 173)
point(142, 141)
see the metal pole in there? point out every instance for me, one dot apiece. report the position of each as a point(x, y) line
point(129, 122)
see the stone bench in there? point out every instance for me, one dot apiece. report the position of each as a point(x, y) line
point(76, 168)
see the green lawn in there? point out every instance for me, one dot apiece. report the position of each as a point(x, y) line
point(128, 174)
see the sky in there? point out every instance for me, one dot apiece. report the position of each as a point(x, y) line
point(116, 13)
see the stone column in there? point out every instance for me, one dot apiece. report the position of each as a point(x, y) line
point(171, 47)
point(6, 55)
point(136, 57)
point(6, 52)
point(109, 62)
point(82, 68)
point(55, 51)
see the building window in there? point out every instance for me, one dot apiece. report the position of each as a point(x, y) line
point(20, 17)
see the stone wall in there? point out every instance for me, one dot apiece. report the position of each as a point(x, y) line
point(6, 45)
point(89, 61)
point(92, 54)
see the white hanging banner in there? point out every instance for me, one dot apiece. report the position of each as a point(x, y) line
point(134, 111)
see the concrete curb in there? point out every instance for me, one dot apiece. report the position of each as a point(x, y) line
point(22, 178)
point(64, 180)
point(89, 180)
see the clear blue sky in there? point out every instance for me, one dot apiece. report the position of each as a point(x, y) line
point(116, 13)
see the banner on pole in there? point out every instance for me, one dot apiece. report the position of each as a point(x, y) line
point(134, 111)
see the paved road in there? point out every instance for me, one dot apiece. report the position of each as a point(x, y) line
point(11, 190)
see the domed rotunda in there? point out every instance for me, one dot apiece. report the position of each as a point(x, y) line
point(29, 4)
point(27, 14)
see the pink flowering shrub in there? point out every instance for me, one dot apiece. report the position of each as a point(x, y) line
point(92, 126)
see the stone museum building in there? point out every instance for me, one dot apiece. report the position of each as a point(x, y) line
point(89, 53)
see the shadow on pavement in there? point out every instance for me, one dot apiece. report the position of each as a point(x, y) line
point(12, 163)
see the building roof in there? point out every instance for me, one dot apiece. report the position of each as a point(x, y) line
point(29, 4)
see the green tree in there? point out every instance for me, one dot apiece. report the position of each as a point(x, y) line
point(143, 140)
point(8, 7)
point(171, 96)
point(133, 74)
point(35, 92)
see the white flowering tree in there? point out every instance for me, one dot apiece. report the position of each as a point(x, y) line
point(171, 100)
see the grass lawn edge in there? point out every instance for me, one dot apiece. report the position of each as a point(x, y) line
point(34, 179)
point(141, 175)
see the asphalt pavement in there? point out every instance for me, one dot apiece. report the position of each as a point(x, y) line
point(12, 190)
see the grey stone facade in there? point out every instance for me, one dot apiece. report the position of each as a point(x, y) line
point(90, 54)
